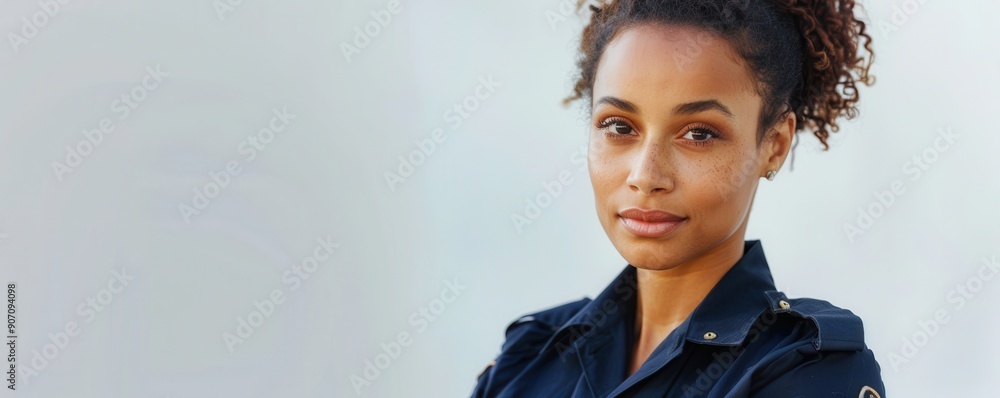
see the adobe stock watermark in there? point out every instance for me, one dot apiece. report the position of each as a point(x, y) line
point(565, 10)
point(88, 309)
point(223, 7)
point(219, 180)
point(420, 319)
point(123, 106)
point(551, 190)
point(915, 167)
point(833, 141)
point(426, 147)
point(380, 19)
point(957, 297)
point(11, 341)
point(901, 14)
point(597, 315)
point(264, 309)
point(32, 25)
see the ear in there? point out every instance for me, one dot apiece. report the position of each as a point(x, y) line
point(779, 142)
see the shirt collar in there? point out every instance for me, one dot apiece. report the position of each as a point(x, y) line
point(731, 307)
point(728, 311)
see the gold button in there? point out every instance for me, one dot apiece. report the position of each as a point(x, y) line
point(709, 335)
point(784, 304)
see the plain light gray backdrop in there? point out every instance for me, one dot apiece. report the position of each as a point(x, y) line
point(442, 237)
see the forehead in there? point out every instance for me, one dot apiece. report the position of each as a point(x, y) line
point(665, 65)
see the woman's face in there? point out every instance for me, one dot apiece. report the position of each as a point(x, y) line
point(674, 129)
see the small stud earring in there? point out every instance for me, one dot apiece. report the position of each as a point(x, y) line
point(771, 174)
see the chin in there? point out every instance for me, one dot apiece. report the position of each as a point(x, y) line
point(647, 263)
point(649, 254)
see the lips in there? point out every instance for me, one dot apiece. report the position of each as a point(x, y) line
point(650, 223)
point(649, 215)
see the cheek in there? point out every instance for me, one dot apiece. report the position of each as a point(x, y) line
point(602, 171)
point(721, 186)
point(607, 175)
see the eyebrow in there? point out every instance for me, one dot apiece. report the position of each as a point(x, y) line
point(618, 103)
point(682, 109)
point(701, 106)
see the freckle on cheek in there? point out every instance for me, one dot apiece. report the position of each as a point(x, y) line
point(730, 179)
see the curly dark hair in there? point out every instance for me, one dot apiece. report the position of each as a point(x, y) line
point(804, 53)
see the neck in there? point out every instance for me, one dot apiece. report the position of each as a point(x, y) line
point(667, 297)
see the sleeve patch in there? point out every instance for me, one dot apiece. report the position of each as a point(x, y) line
point(868, 392)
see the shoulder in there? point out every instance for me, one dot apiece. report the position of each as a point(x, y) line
point(523, 339)
point(835, 328)
point(552, 316)
point(823, 350)
point(534, 328)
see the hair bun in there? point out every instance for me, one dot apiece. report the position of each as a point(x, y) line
point(833, 65)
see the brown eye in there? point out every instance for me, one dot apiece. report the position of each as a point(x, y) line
point(619, 128)
point(699, 135)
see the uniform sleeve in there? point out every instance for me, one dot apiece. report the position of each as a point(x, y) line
point(483, 382)
point(805, 372)
point(523, 338)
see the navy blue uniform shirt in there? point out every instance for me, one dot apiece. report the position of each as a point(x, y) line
point(745, 339)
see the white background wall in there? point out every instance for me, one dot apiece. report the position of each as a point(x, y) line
point(322, 177)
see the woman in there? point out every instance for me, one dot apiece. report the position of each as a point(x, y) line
point(692, 102)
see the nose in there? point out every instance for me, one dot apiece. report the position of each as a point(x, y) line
point(651, 171)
